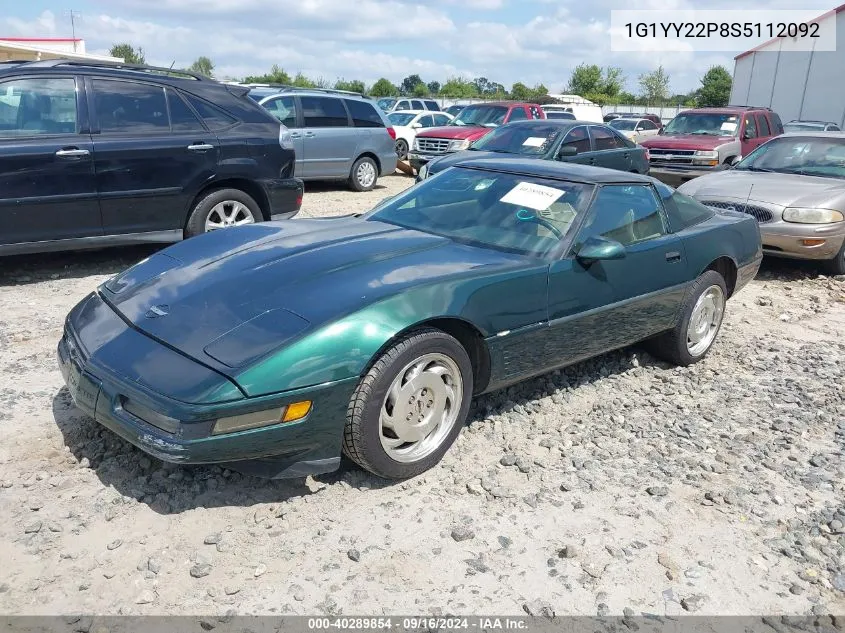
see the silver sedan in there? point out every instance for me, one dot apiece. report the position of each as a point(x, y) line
point(794, 185)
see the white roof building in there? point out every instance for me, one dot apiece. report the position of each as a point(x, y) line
point(36, 49)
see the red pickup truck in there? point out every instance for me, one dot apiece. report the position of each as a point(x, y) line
point(473, 122)
point(704, 140)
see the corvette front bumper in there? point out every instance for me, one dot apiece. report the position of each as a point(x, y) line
point(103, 382)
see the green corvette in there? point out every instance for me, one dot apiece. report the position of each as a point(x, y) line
point(272, 348)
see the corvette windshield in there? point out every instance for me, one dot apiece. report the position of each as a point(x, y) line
point(508, 212)
point(803, 155)
point(531, 140)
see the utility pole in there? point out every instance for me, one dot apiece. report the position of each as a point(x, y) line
point(73, 15)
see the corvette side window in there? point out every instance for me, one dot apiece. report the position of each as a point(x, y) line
point(627, 214)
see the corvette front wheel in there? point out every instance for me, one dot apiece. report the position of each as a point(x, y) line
point(410, 405)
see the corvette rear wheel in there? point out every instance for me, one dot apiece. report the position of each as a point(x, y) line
point(410, 406)
point(690, 340)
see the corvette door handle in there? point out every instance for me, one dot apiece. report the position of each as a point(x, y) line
point(72, 152)
point(295, 135)
point(200, 147)
point(310, 135)
point(673, 256)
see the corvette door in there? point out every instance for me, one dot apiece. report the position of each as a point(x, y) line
point(602, 305)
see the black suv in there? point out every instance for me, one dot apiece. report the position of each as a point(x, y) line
point(98, 154)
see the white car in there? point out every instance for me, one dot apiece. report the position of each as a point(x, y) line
point(635, 129)
point(407, 122)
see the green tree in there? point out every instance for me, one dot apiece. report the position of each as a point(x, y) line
point(459, 88)
point(612, 81)
point(203, 65)
point(585, 78)
point(276, 76)
point(434, 87)
point(538, 92)
point(129, 54)
point(520, 92)
point(420, 90)
point(383, 88)
point(355, 85)
point(410, 83)
point(626, 98)
point(654, 86)
point(715, 87)
point(301, 81)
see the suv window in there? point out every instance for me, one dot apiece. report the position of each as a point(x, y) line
point(517, 114)
point(323, 112)
point(363, 114)
point(182, 118)
point(37, 106)
point(284, 109)
point(128, 106)
point(605, 139)
point(627, 214)
point(417, 105)
point(763, 124)
point(750, 126)
point(214, 117)
point(577, 137)
point(402, 105)
point(777, 124)
point(432, 105)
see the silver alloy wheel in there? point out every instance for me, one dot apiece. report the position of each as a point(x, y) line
point(705, 320)
point(366, 174)
point(420, 408)
point(401, 148)
point(228, 213)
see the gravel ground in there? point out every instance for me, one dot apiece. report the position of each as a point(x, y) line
point(618, 484)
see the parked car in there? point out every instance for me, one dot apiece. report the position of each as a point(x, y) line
point(471, 124)
point(704, 140)
point(636, 130)
point(496, 271)
point(794, 186)
point(406, 123)
point(96, 154)
point(392, 105)
point(337, 137)
point(560, 116)
point(566, 141)
point(810, 126)
point(634, 115)
point(454, 110)
point(582, 111)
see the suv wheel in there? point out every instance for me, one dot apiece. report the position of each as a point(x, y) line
point(364, 174)
point(221, 209)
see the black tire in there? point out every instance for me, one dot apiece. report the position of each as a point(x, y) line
point(402, 149)
point(356, 181)
point(200, 212)
point(362, 434)
point(672, 346)
point(836, 266)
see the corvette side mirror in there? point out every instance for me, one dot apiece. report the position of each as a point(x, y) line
point(598, 248)
point(568, 151)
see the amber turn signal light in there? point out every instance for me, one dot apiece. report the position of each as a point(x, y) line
point(297, 411)
point(812, 242)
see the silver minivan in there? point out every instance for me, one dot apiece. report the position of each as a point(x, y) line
point(336, 136)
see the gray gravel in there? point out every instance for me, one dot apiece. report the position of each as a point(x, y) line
point(619, 483)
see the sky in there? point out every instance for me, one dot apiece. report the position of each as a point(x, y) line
point(532, 41)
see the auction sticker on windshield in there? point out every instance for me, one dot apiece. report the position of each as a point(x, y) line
point(538, 197)
point(535, 141)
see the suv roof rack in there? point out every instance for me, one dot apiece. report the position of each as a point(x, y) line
point(289, 88)
point(748, 107)
point(52, 63)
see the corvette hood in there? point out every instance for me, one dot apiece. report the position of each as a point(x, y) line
point(229, 297)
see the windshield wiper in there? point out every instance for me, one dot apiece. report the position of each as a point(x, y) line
point(752, 168)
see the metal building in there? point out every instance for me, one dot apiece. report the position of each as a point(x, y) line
point(808, 85)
